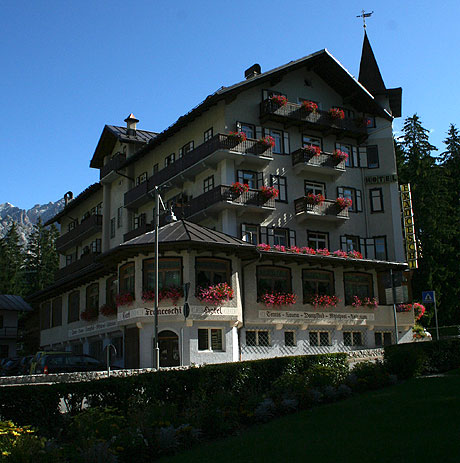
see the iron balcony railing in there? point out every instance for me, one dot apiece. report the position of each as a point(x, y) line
point(319, 120)
point(114, 164)
point(327, 208)
point(219, 194)
point(86, 228)
point(323, 160)
point(139, 194)
point(84, 261)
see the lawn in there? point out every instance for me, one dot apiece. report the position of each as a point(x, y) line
point(415, 421)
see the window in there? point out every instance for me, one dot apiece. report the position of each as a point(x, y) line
point(95, 246)
point(273, 279)
point(92, 296)
point(112, 227)
point(250, 233)
point(258, 338)
point(372, 157)
point(352, 160)
point(208, 134)
point(45, 315)
point(312, 140)
point(376, 198)
point(210, 339)
point(280, 184)
point(141, 178)
point(69, 259)
point(208, 183)
point(278, 137)
point(251, 178)
point(56, 316)
point(380, 243)
point(248, 129)
point(120, 217)
point(155, 169)
point(211, 271)
point(354, 195)
point(348, 112)
point(317, 240)
point(353, 338)
point(320, 338)
point(277, 236)
point(350, 243)
point(169, 273)
point(186, 149)
point(383, 338)
point(111, 291)
point(269, 93)
point(127, 278)
point(139, 221)
point(357, 284)
point(314, 188)
point(319, 282)
point(289, 339)
point(73, 312)
point(170, 159)
point(72, 225)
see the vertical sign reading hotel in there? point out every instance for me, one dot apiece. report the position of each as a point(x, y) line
point(409, 229)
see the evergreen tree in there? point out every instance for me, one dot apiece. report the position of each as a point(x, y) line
point(12, 263)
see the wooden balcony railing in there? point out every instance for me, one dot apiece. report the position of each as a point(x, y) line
point(323, 160)
point(319, 120)
point(86, 228)
point(328, 208)
point(139, 194)
point(84, 261)
point(115, 163)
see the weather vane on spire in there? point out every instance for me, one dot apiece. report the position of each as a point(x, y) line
point(364, 15)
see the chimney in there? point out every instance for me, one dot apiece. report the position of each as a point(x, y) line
point(253, 71)
point(131, 122)
point(68, 197)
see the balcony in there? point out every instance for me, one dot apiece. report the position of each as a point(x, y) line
point(324, 164)
point(221, 197)
point(326, 211)
point(84, 261)
point(144, 228)
point(85, 229)
point(114, 164)
point(295, 114)
point(8, 332)
point(209, 154)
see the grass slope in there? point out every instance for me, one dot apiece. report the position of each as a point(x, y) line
point(416, 421)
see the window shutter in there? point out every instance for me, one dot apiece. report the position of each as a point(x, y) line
point(260, 179)
point(239, 176)
point(362, 156)
point(181, 152)
point(359, 203)
point(370, 248)
point(355, 156)
point(271, 236)
point(258, 132)
point(264, 94)
point(238, 126)
point(286, 142)
point(340, 192)
point(362, 246)
point(292, 240)
point(373, 156)
point(343, 243)
point(263, 235)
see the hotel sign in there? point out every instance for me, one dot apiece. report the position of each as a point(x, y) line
point(409, 229)
point(325, 318)
point(381, 179)
point(84, 331)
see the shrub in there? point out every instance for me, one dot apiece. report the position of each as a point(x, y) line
point(370, 375)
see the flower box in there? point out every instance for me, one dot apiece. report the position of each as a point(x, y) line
point(419, 309)
point(268, 192)
point(343, 203)
point(323, 301)
point(311, 150)
point(268, 141)
point(336, 114)
point(309, 106)
point(340, 253)
point(278, 299)
point(174, 293)
point(238, 188)
point(314, 200)
point(124, 299)
point(355, 255)
point(237, 137)
point(323, 252)
point(108, 310)
point(215, 294)
point(89, 314)
point(339, 156)
point(263, 247)
point(280, 100)
point(367, 302)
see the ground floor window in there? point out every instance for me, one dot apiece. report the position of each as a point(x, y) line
point(357, 284)
point(258, 338)
point(289, 339)
point(320, 338)
point(353, 338)
point(117, 341)
point(210, 339)
point(95, 349)
point(317, 282)
point(273, 279)
point(383, 338)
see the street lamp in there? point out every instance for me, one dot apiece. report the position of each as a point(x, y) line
point(169, 218)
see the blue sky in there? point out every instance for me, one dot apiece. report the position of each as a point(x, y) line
point(68, 68)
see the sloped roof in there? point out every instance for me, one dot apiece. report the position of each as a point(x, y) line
point(16, 303)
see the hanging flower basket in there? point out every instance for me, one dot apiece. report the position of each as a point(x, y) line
point(268, 192)
point(239, 188)
point(314, 200)
point(311, 150)
point(279, 100)
point(108, 310)
point(89, 314)
point(343, 203)
point(237, 137)
point(362, 122)
point(367, 302)
point(278, 299)
point(309, 106)
point(215, 294)
point(174, 293)
point(268, 141)
point(336, 114)
point(339, 156)
point(124, 299)
point(323, 301)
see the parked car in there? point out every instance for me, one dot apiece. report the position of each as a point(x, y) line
point(24, 364)
point(66, 362)
point(38, 355)
point(11, 367)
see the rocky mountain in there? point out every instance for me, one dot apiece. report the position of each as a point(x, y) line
point(26, 218)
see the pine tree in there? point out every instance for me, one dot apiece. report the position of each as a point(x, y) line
point(12, 263)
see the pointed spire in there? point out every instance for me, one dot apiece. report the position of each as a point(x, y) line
point(369, 73)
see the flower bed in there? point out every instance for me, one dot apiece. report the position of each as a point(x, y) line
point(268, 192)
point(238, 137)
point(310, 251)
point(323, 301)
point(89, 314)
point(314, 200)
point(278, 299)
point(172, 292)
point(215, 294)
point(124, 299)
point(267, 141)
point(370, 303)
point(311, 150)
point(339, 156)
point(336, 113)
point(108, 310)
point(343, 203)
point(309, 106)
point(239, 188)
point(280, 100)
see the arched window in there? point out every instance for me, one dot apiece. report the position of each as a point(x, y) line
point(212, 271)
point(357, 284)
point(273, 279)
point(92, 296)
point(127, 279)
point(111, 291)
point(73, 312)
point(317, 282)
point(169, 273)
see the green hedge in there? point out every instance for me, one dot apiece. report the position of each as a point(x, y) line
point(414, 359)
point(39, 405)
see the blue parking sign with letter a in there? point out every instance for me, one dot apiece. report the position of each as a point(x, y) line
point(428, 297)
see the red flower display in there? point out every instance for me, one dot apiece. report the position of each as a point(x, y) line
point(124, 299)
point(280, 100)
point(239, 188)
point(309, 106)
point(343, 203)
point(268, 192)
point(238, 136)
point(336, 113)
point(172, 292)
point(107, 310)
point(323, 252)
point(339, 156)
point(263, 247)
point(312, 150)
point(340, 253)
point(365, 302)
point(278, 299)
point(267, 141)
point(215, 294)
point(323, 301)
point(89, 314)
point(355, 254)
point(315, 200)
